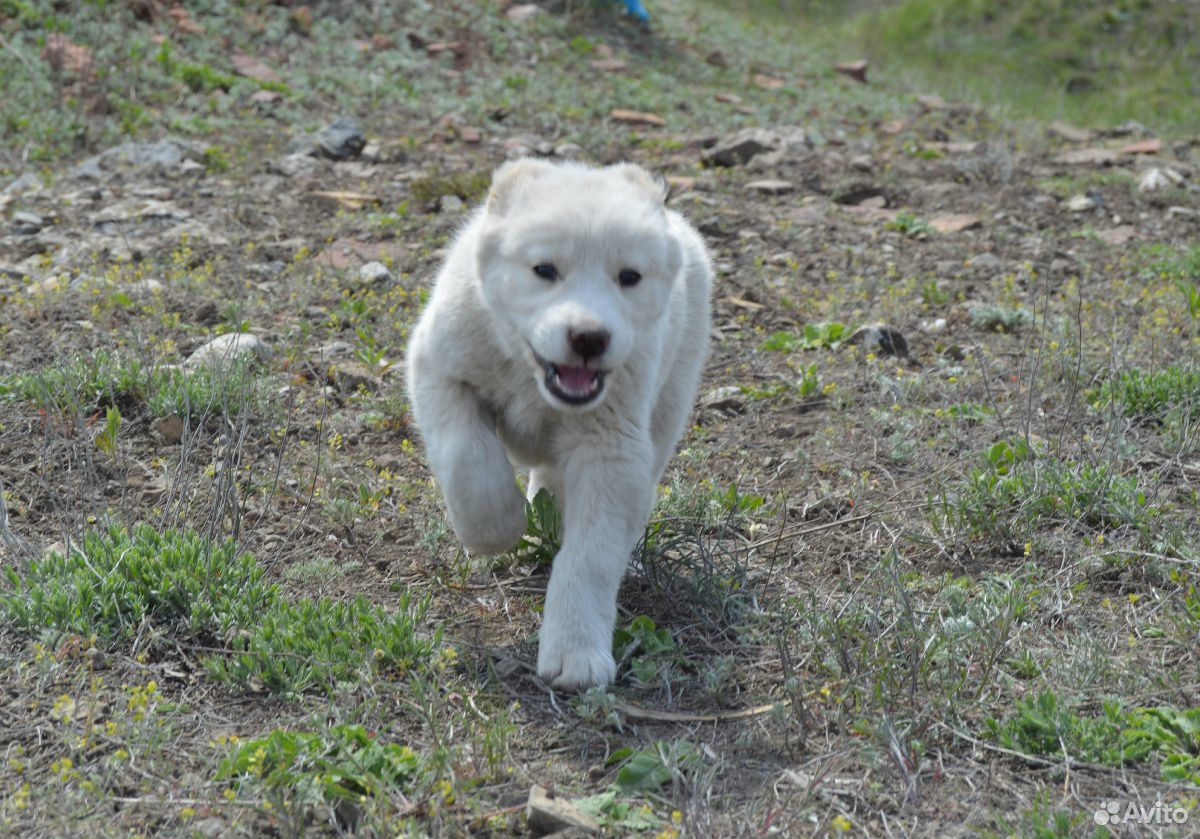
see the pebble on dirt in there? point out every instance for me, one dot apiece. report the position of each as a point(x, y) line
point(229, 347)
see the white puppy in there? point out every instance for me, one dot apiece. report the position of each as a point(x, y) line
point(566, 331)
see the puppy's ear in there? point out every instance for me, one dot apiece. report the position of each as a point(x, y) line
point(508, 176)
point(653, 184)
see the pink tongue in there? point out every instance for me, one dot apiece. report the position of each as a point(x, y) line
point(578, 379)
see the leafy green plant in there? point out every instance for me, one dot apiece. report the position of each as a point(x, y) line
point(106, 440)
point(932, 294)
point(651, 651)
point(1174, 734)
point(814, 336)
point(341, 766)
point(1047, 725)
point(909, 224)
point(543, 529)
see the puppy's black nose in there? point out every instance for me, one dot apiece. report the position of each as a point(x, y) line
point(588, 344)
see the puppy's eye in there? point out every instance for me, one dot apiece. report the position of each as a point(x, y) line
point(628, 277)
point(546, 271)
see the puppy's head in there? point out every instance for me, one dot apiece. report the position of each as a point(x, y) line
point(578, 263)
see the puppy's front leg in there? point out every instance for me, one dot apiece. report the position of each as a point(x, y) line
point(608, 492)
point(477, 480)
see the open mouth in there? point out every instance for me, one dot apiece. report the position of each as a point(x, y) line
point(572, 385)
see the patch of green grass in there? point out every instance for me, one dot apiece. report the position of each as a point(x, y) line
point(1014, 492)
point(1049, 725)
point(808, 385)
point(1090, 62)
point(91, 383)
point(338, 770)
point(1065, 186)
point(1169, 396)
point(119, 583)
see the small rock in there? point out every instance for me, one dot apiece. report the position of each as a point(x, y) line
point(568, 150)
point(27, 182)
point(881, 339)
point(954, 222)
point(862, 162)
point(546, 814)
point(729, 397)
point(771, 186)
point(1118, 235)
point(291, 165)
point(931, 102)
point(522, 12)
point(1069, 132)
point(628, 117)
point(450, 204)
point(1182, 212)
point(741, 147)
point(168, 429)
point(1081, 203)
point(1128, 128)
point(333, 348)
point(349, 376)
point(342, 139)
point(1088, 157)
point(856, 70)
point(148, 286)
point(26, 223)
point(935, 326)
point(229, 347)
point(1153, 180)
point(1143, 147)
point(374, 273)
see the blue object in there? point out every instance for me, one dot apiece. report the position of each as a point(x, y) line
point(635, 8)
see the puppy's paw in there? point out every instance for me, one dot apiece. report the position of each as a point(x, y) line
point(575, 666)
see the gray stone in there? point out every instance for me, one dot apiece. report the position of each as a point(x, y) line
point(546, 814)
point(881, 339)
point(291, 165)
point(450, 204)
point(232, 346)
point(342, 139)
point(27, 182)
point(26, 223)
point(741, 147)
point(374, 273)
point(985, 261)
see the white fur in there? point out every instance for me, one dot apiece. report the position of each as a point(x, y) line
point(479, 395)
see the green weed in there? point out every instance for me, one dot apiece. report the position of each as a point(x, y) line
point(1169, 396)
point(107, 380)
point(543, 530)
point(338, 769)
point(909, 224)
point(119, 583)
point(814, 336)
point(1014, 492)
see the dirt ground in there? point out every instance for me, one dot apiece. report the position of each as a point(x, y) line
point(850, 623)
